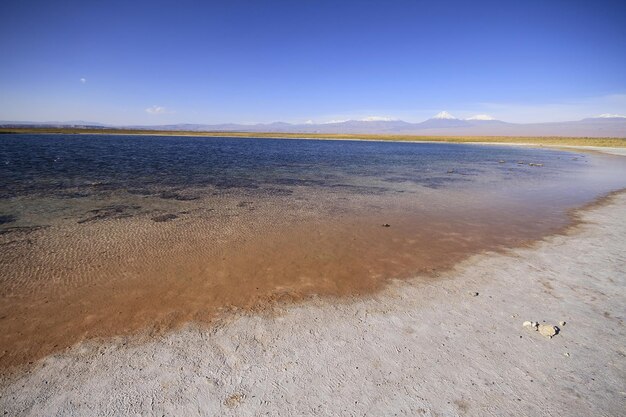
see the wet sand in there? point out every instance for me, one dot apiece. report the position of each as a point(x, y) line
point(454, 345)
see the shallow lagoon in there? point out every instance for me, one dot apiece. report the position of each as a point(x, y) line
point(35, 169)
point(105, 235)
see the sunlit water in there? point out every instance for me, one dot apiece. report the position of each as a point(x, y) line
point(46, 177)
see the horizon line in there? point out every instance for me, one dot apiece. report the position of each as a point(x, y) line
point(443, 115)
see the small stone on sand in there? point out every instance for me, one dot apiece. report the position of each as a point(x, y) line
point(548, 330)
point(530, 324)
point(561, 323)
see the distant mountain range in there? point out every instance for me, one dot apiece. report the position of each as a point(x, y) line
point(442, 124)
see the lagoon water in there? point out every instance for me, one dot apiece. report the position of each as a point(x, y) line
point(83, 166)
point(108, 234)
point(48, 176)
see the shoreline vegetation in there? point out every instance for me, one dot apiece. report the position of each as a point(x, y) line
point(520, 140)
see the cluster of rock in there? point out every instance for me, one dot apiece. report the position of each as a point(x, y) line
point(546, 330)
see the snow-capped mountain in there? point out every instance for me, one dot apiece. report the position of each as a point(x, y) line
point(444, 115)
point(610, 116)
point(442, 120)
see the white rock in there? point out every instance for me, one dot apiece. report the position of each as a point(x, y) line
point(530, 325)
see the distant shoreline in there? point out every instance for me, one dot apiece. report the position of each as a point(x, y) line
point(494, 140)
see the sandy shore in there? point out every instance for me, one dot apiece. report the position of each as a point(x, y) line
point(417, 348)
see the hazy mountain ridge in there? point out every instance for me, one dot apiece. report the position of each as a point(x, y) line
point(443, 124)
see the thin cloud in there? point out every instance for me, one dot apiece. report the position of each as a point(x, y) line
point(481, 117)
point(156, 110)
point(377, 119)
point(83, 80)
point(359, 118)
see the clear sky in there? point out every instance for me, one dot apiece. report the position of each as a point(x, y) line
point(154, 62)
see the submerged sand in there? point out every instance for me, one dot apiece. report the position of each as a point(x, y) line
point(118, 271)
point(452, 346)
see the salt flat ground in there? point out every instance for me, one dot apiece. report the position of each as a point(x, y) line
point(420, 347)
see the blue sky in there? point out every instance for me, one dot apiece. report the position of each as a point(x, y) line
point(243, 61)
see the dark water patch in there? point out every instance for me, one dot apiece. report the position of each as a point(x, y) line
point(164, 218)
point(433, 182)
point(243, 183)
point(73, 194)
point(396, 180)
point(171, 195)
point(141, 191)
point(7, 218)
point(111, 212)
point(22, 230)
point(437, 182)
point(360, 189)
point(299, 182)
point(467, 171)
